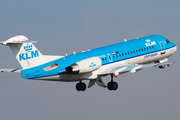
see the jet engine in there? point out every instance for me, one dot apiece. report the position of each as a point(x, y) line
point(84, 66)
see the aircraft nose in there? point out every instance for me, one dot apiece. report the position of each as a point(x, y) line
point(174, 49)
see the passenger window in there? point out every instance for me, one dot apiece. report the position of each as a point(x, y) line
point(128, 53)
point(122, 54)
point(131, 52)
point(152, 46)
point(125, 54)
point(144, 48)
point(105, 58)
point(116, 55)
point(147, 48)
point(113, 56)
point(119, 55)
point(136, 50)
point(141, 49)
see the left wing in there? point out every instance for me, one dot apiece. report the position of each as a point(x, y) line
point(132, 68)
point(11, 70)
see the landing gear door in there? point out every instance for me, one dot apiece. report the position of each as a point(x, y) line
point(162, 46)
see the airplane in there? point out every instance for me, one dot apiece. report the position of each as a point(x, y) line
point(93, 64)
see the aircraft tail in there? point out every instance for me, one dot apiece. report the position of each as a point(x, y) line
point(24, 50)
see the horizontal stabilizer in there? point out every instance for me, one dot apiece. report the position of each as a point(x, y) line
point(17, 39)
point(18, 70)
point(13, 42)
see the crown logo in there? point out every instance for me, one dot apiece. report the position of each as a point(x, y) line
point(92, 64)
point(28, 47)
point(148, 40)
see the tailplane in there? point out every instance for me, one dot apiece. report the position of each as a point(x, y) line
point(24, 50)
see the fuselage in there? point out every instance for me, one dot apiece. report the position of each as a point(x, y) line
point(137, 51)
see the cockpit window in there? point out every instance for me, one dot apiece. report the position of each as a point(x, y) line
point(167, 41)
point(51, 67)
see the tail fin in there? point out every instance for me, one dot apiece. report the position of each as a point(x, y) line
point(24, 50)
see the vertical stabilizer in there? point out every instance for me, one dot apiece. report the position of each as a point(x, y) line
point(24, 50)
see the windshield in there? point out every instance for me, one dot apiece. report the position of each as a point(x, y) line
point(167, 41)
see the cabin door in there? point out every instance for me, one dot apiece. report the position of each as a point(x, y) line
point(162, 46)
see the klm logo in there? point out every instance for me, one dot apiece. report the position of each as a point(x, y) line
point(29, 54)
point(92, 64)
point(150, 43)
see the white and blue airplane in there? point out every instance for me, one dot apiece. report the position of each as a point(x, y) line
point(128, 56)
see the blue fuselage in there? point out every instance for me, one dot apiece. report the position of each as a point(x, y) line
point(146, 46)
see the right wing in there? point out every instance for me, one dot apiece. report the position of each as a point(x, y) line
point(132, 68)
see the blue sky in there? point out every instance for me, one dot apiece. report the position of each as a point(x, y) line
point(64, 26)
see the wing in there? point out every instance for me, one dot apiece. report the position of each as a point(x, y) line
point(118, 70)
point(11, 70)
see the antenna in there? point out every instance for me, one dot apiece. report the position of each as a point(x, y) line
point(125, 40)
point(74, 52)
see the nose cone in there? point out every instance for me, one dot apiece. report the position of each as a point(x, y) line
point(174, 49)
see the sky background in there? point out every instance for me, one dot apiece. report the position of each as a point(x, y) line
point(64, 26)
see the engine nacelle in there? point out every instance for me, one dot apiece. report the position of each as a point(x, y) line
point(84, 66)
